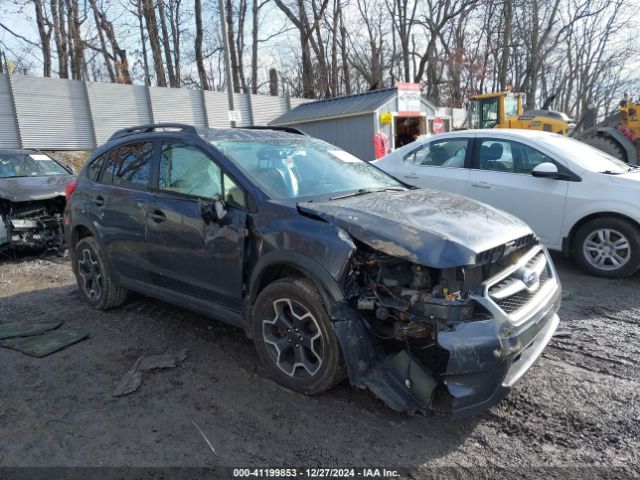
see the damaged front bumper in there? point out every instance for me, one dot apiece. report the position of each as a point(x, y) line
point(477, 361)
point(32, 225)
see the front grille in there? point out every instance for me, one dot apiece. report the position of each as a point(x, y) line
point(516, 302)
point(486, 268)
point(512, 293)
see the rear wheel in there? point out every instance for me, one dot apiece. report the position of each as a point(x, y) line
point(608, 247)
point(607, 145)
point(294, 339)
point(94, 280)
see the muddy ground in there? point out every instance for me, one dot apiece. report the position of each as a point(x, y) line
point(578, 406)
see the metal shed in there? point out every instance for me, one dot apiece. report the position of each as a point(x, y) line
point(352, 122)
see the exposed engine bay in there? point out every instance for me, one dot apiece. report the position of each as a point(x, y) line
point(36, 224)
point(401, 300)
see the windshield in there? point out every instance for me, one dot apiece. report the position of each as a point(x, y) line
point(32, 165)
point(584, 155)
point(303, 168)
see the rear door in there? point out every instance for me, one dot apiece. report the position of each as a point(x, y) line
point(188, 254)
point(502, 178)
point(440, 164)
point(118, 205)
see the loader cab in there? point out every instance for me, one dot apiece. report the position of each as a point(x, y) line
point(495, 110)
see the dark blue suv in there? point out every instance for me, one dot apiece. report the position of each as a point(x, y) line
point(334, 268)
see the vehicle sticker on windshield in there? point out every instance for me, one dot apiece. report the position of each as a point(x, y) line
point(344, 156)
point(39, 156)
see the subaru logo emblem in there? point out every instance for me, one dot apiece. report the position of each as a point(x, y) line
point(531, 279)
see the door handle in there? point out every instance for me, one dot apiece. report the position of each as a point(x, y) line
point(413, 175)
point(99, 201)
point(480, 185)
point(158, 216)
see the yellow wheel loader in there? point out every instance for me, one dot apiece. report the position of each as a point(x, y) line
point(506, 110)
point(618, 135)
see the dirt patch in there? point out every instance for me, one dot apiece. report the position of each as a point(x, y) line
point(75, 159)
point(578, 406)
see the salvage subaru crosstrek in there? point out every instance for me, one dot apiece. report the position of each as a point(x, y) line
point(334, 268)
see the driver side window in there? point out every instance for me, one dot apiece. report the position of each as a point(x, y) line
point(187, 170)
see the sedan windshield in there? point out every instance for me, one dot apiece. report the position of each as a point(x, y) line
point(585, 155)
point(32, 165)
point(303, 168)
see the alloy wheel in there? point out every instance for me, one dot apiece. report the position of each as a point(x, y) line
point(90, 274)
point(293, 338)
point(606, 249)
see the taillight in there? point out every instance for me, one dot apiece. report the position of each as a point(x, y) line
point(69, 188)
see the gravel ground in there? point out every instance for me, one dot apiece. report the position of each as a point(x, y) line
point(577, 406)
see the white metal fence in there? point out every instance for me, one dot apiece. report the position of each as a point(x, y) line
point(57, 114)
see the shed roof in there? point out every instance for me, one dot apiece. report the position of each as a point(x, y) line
point(336, 107)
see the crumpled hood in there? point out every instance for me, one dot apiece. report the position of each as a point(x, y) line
point(433, 228)
point(24, 189)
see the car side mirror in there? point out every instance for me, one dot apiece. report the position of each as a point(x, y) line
point(548, 170)
point(213, 210)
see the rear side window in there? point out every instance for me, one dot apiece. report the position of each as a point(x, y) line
point(129, 165)
point(187, 170)
point(93, 171)
point(441, 153)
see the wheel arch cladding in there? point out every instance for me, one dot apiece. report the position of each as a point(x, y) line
point(281, 264)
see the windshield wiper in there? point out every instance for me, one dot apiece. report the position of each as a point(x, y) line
point(610, 172)
point(364, 191)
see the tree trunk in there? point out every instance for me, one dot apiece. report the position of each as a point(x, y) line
point(506, 44)
point(44, 31)
point(344, 50)
point(232, 44)
point(202, 73)
point(154, 41)
point(166, 46)
point(143, 41)
point(255, 11)
point(59, 30)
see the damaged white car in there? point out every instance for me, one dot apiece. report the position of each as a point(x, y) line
point(32, 200)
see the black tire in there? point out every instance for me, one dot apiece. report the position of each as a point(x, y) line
point(324, 366)
point(607, 145)
point(618, 229)
point(94, 280)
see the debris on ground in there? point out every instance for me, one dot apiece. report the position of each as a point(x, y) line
point(27, 329)
point(46, 343)
point(132, 380)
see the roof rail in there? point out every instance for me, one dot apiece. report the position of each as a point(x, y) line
point(282, 129)
point(182, 127)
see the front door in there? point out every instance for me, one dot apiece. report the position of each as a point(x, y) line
point(187, 253)
point(502, 178)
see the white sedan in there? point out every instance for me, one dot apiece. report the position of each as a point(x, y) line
point(577, 199)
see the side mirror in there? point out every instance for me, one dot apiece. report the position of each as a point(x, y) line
point(548, 170)
point(213, 210)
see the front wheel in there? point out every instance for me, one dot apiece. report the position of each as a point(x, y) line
point(294, 339)
point(608, 247)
